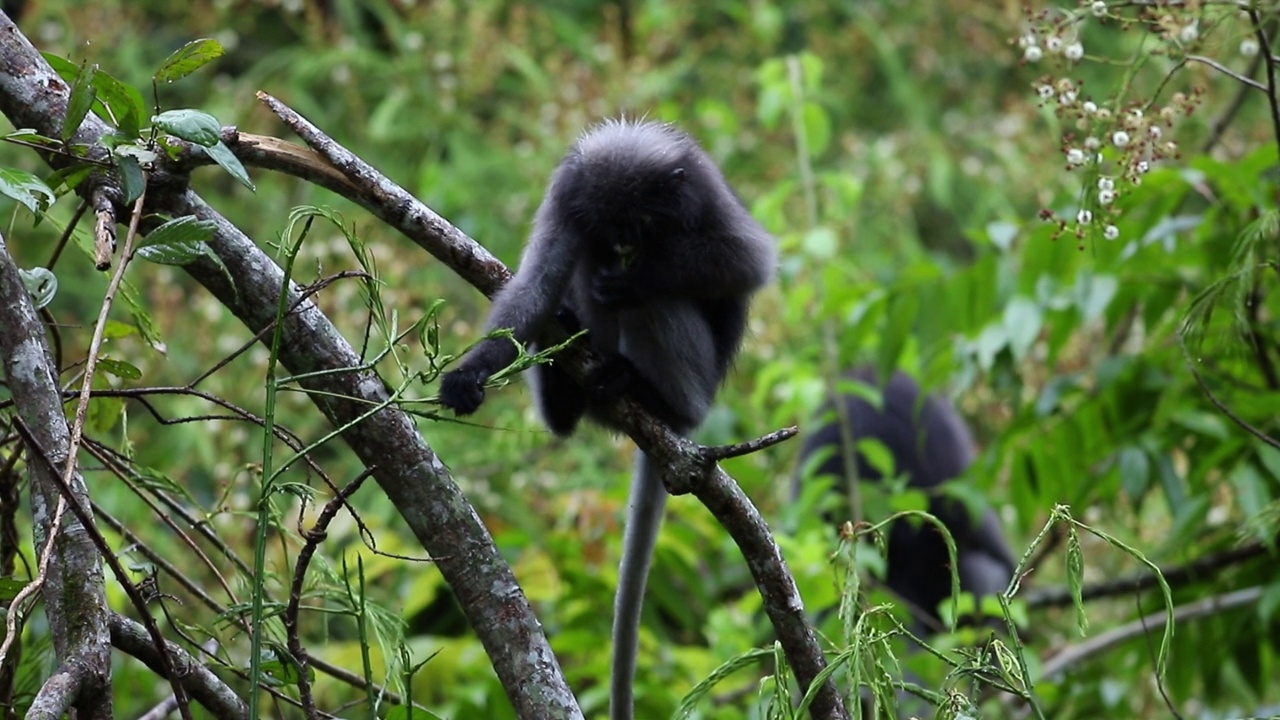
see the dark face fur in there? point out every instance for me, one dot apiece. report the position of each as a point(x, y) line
point(637, 208)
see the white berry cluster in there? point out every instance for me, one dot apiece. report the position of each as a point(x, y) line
point(1111, 142)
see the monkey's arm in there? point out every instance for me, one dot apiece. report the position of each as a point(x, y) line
point(524, 305)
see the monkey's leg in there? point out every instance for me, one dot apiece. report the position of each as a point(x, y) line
point(561, 401)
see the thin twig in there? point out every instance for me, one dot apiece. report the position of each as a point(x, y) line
point(1274, 104)
point(724, 452)
point(1099, 644)
point(314, 537)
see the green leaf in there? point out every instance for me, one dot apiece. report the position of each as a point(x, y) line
point(115, 330)
point(227, 160)
point(41, 284)
point(821, 243)
point(1023, 319)
point(10, 587)
point(142, 153)
point(178, 242)
point(26, 189)
point(1075, 578)
point(817, 128)
point(187, 59)
point(83, 93)
point(120, 368)
point(68, 178)
point(131, 179)
point(181, 230)
point(104, 414)
point(116, 100)
point(66, 69)
point(122, 103)
point(191, 125)
point(178, 254)
point(31, 137)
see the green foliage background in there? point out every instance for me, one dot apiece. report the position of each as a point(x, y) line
point(901, 155)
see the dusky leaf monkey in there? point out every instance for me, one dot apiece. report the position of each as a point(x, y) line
point(642, 240)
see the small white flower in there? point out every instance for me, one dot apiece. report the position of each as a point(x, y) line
point(1189, 33)
point(1098, 8)
point(1074, 51)
point(1027, 40)
point(1089, 107)
point(1135, 114)
point(1106, 196)
point(1249, 47)
point(1084, 217)
point(1075, 156)
point(1045, 91)
point(1106, 183)
point(1120, 138)
point(1092, 143)
point(1155, 132)
point(1033, 53)
point(1068, 97)
point(1054, 44)
point(1143, 167)
point(1111, 232)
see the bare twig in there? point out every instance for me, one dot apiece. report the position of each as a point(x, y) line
point(104, 229)
point(1271, 88)
point(1100, 644)
point(724, 452)
point(195, 680)
point(1238, 77)
point(1208, 392)
point(314, 537)
point(1203, 568)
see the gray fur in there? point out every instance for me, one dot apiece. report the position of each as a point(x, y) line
point(930, 444)
point(644, 518)
point(642, 239)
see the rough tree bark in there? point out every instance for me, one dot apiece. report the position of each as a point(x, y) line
point(33, 96)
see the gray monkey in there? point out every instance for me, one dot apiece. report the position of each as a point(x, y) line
point(930, 444)
point(642, 240)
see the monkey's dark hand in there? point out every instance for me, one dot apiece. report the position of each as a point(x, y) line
point(462, 390)
point(615, 287)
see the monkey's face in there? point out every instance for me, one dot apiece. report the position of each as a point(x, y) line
point(625, 253)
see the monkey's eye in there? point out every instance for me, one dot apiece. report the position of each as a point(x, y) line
point(678, 174)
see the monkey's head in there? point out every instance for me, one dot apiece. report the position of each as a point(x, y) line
point(628, 186)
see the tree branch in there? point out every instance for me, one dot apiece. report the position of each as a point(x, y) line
point(70, 568)
point(417, 482)
point(198, 681)
point(1077, 654)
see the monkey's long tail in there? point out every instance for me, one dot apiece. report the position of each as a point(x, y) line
point(644, 519)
